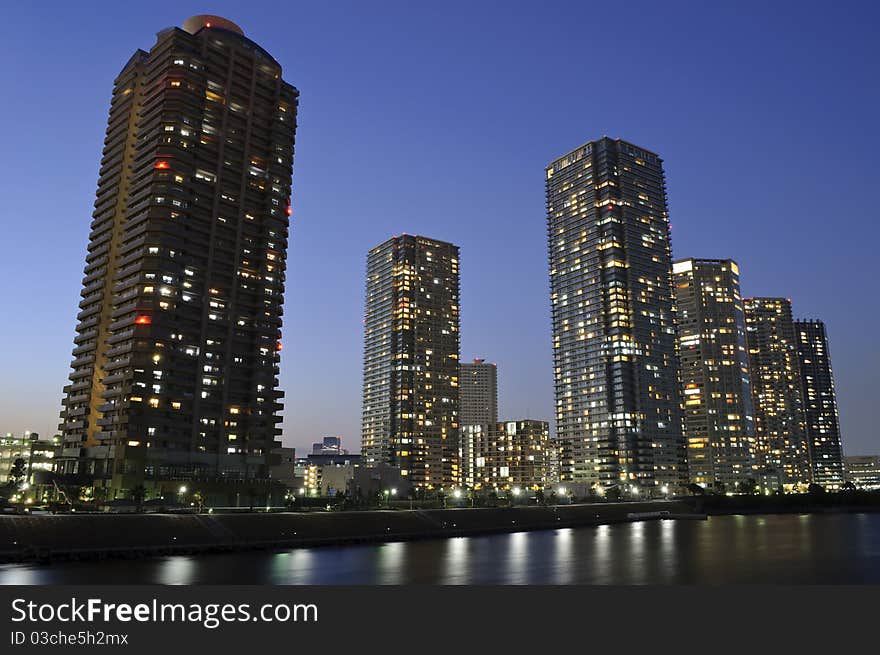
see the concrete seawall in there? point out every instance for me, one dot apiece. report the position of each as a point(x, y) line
point(89, 536)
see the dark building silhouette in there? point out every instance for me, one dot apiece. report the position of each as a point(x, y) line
point(820, 404)
point(178, 343)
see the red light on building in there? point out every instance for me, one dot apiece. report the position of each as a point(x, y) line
point(289, 209)
point(143, 320)
point(162, 164)
point(279, 346)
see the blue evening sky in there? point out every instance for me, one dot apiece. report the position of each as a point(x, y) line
point(438, 119)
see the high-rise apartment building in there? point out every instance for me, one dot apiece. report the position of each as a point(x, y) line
point(718, 416)
point(618, 413)
point(776, 391)
point(411, 360)
point(179, 336)
point(820, 403)
point(478, 389)
point(478, 417)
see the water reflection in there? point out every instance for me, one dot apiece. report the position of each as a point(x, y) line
point(176, 570)
point(563, 556)
point(833, 548)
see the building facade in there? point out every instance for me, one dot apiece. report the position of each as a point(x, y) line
point(328, 446)
point(716, 390)
point(411, 360)
point(618, 414)
point(478, 389)
point(863, 471)
point(820, 403)
point(478, 393)
point(36, 455)
point(780, 432)
point(178, 343)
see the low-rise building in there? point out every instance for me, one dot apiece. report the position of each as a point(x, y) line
point(863, 471)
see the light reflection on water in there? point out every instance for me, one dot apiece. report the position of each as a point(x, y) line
point(811, 549)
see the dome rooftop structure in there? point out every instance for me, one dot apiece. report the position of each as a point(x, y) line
point(195, 23)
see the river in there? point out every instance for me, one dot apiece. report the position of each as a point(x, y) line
point(783, 548)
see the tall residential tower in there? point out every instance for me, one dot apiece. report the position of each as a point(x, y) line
point(776, 391)
point(820, 403)
point(718, 417)
point(478, 392)
point(478, 388)
point(411, 365)
point(618, 413)
point(179, 336)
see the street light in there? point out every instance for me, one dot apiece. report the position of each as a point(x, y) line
point(457, 493)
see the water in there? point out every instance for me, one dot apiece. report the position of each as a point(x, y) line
point(798, 549)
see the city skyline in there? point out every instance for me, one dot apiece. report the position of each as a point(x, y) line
point(521, 397)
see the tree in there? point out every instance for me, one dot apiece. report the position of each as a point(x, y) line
point(815, 489)
point(18, 472)
point(539, 496)
point(748, 486)
point(696, 489)
point(848, 486)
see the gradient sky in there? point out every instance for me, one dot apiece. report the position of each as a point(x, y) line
point(438, 119)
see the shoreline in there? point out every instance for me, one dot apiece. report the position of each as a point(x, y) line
point(46, 539)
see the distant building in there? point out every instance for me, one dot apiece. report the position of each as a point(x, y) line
point(820, 403)
point(780, 432)
point(328, 446)
point(283, 466)
point(478, 390)
point(37, 455)
point(381, 479)
point(328, 479)
point(718, 416)
point(411, 360)
point(478, 393)
point(618, 412)
point(863, 471)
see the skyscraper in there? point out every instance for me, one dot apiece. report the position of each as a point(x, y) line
point(618, 414)
point(478, 388)
point(179, 336)
point(478, 417)
point(776, 391)
point(411, 360)
point(820, 403)
point(718, 417)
